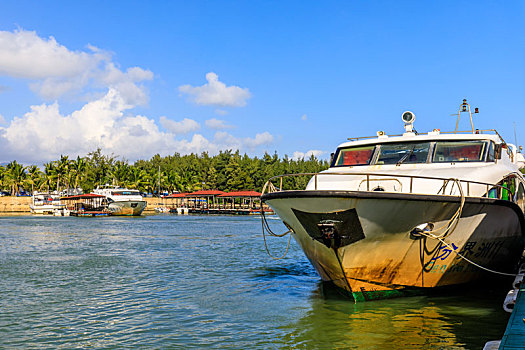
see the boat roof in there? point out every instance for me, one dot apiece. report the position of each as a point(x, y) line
point(205, 193)
point(435, 135)
point(114, 188)
point(82, 196)
point(241, 194)
point(177, 195)
point(217, 193)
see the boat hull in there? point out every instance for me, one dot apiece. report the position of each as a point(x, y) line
point(46, 209)
point(374, 255)
point(127, 208)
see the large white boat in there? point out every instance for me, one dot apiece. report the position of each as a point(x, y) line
point(122, 201)
point(400, 214)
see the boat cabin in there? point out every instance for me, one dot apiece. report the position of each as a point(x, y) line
point(413, 152)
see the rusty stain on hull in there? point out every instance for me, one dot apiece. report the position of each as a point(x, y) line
point(388, 261)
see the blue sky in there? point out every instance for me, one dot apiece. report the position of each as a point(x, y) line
point(138, 78)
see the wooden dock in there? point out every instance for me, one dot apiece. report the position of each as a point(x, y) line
point(89, 213)
point(230, 211)
point(514, 337)
point(87, 205)
point(216, 203)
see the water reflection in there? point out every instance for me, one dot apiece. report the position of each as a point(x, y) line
point(451, 321)
point(198, 282)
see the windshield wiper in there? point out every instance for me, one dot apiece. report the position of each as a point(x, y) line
point(405, 157)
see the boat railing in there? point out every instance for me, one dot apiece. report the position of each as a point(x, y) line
point(477, 131)
point(496, 191)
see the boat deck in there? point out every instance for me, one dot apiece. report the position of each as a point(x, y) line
point(217, 211)
point(514, 337)
point(89, 213)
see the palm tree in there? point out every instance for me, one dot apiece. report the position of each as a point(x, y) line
point(3, 177)
point(78, 169)
point(34, 177)
point(173, 181)
point(152, 181)
point(50, 174)
point(62, 169)
point(137, 178)
point(119, 172)
point(99, 166)
point(16, 175)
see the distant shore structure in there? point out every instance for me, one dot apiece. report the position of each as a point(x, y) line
point(87, 204)
point(216, 202)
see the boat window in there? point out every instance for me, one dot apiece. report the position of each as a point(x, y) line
point(406, 153)
point(520, 196)
point(459, 151)
point(354, 156)
point(490, 153)
point(125, 193)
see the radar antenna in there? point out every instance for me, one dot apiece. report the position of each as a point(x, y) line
point(465, 107)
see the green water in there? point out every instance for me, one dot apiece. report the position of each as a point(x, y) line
point(178, 282)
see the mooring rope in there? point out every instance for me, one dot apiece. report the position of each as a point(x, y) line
point(451, 226)
point(468, 260)
point(452, 223)
point(266, 228)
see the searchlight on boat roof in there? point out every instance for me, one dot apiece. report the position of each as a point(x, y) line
point(408, 118)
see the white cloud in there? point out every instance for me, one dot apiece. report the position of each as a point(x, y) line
point(305, 155)
point(126, 83)
point(54, 70)
point(23, 54)
point(43, 134)
point(2, 119)
point(183, 127)
point(226, 140)
point(264, 138)
point(304, 117)
point(221, 112)
point(106, 120)
point(216, 93)
point(217, 124)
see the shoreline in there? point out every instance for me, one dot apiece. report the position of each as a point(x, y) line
point(10, 205)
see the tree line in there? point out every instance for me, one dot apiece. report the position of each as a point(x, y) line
point(226, 171)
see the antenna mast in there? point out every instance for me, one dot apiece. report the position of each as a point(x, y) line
point(465, 107)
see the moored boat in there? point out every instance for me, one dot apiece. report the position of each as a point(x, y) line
point(122, 201)
point(47, 203)
point(395, 215)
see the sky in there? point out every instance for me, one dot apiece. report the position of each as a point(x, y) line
point(140, 78)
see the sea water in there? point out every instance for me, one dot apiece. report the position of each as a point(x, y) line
point(179, 282)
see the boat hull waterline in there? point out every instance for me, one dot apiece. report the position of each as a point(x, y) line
point(127, 208)
point(375, 256)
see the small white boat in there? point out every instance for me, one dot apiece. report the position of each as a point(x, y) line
point(183, 211)
point(400, 214)
point(122, 201)
point(46, 203)
point(162, 210)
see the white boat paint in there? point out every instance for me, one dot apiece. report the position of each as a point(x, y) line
point(47, 203)
point(374, 210)
point(122, 201)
